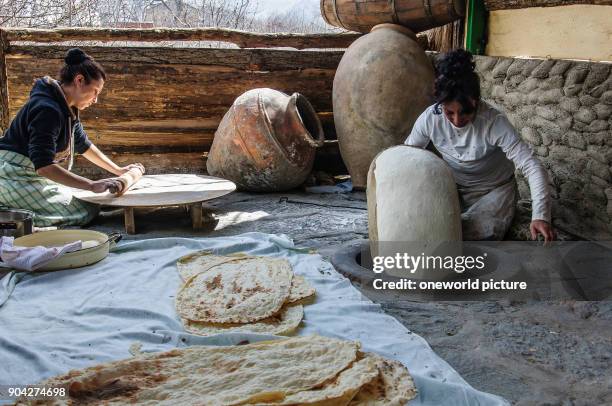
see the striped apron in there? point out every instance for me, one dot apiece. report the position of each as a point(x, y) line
point(53, 204)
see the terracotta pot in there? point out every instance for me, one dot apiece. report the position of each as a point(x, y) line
point(383, 83)
point(418, 15)
point(266, 142)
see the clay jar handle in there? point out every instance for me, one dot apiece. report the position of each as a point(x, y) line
point(298, 103)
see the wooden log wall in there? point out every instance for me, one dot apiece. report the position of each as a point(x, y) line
point(243, 39)
point(161, 105)
point(511, 4)
point(446, 37)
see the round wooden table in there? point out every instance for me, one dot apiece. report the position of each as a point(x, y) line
point(162, 191)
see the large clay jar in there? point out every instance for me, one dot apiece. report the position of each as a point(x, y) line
point(413, 205)
point(266, 142)
point(383, 83)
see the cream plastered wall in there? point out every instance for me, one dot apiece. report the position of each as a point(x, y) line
point(564, 32)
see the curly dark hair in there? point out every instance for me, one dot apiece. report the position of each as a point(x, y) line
point(78, 62)
point(456, 80)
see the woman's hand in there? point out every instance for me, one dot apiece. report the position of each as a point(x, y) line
point(101, 186)
point(544, 228)
point(127, 168)
point(97, 157)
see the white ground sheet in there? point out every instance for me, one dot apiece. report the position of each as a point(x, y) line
point(57, 321)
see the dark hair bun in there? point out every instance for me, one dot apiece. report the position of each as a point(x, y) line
point(456, 80)
point(75, 56)
point(455, 64)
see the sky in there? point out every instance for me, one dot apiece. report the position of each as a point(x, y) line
point(270, 6)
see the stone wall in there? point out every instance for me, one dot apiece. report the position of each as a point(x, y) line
point(562, 109)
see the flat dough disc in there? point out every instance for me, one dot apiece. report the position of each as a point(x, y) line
point(202, 261)
point(339, 391)
point(300, 289)
point(393, 386)
point(236, 292)
point(283, 323)
point(211, 375)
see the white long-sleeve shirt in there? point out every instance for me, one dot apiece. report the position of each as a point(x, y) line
point(483, 154)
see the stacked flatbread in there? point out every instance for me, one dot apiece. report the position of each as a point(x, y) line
point(311, 370)
point(240, 293)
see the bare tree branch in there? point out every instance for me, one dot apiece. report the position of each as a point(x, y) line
point(235, 14)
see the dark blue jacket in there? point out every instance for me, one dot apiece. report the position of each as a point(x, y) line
point(43, 126)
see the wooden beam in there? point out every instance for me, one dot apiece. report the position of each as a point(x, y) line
point(510, 4)
point(193, 162)
point(327, 159)
point(4, 93)
point(196, 215)
point(243, 59)
point(242, 39)
point(128, 218)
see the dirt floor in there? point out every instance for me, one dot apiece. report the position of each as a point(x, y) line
point(537, 353)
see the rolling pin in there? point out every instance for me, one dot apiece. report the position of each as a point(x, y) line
point(127, 180)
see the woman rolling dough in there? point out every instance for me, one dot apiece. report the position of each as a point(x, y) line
point(37, 150)
point(482, 149)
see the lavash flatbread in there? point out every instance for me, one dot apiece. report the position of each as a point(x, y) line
point(262, 372)
point(394, 386)
point(283, 323)
point(202, 261)
point(241, 292)
point(300, 289)
point(338, 392)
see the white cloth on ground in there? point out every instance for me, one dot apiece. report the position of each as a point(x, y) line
point(483, 154)
point(31, 258)
point(94, 314)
